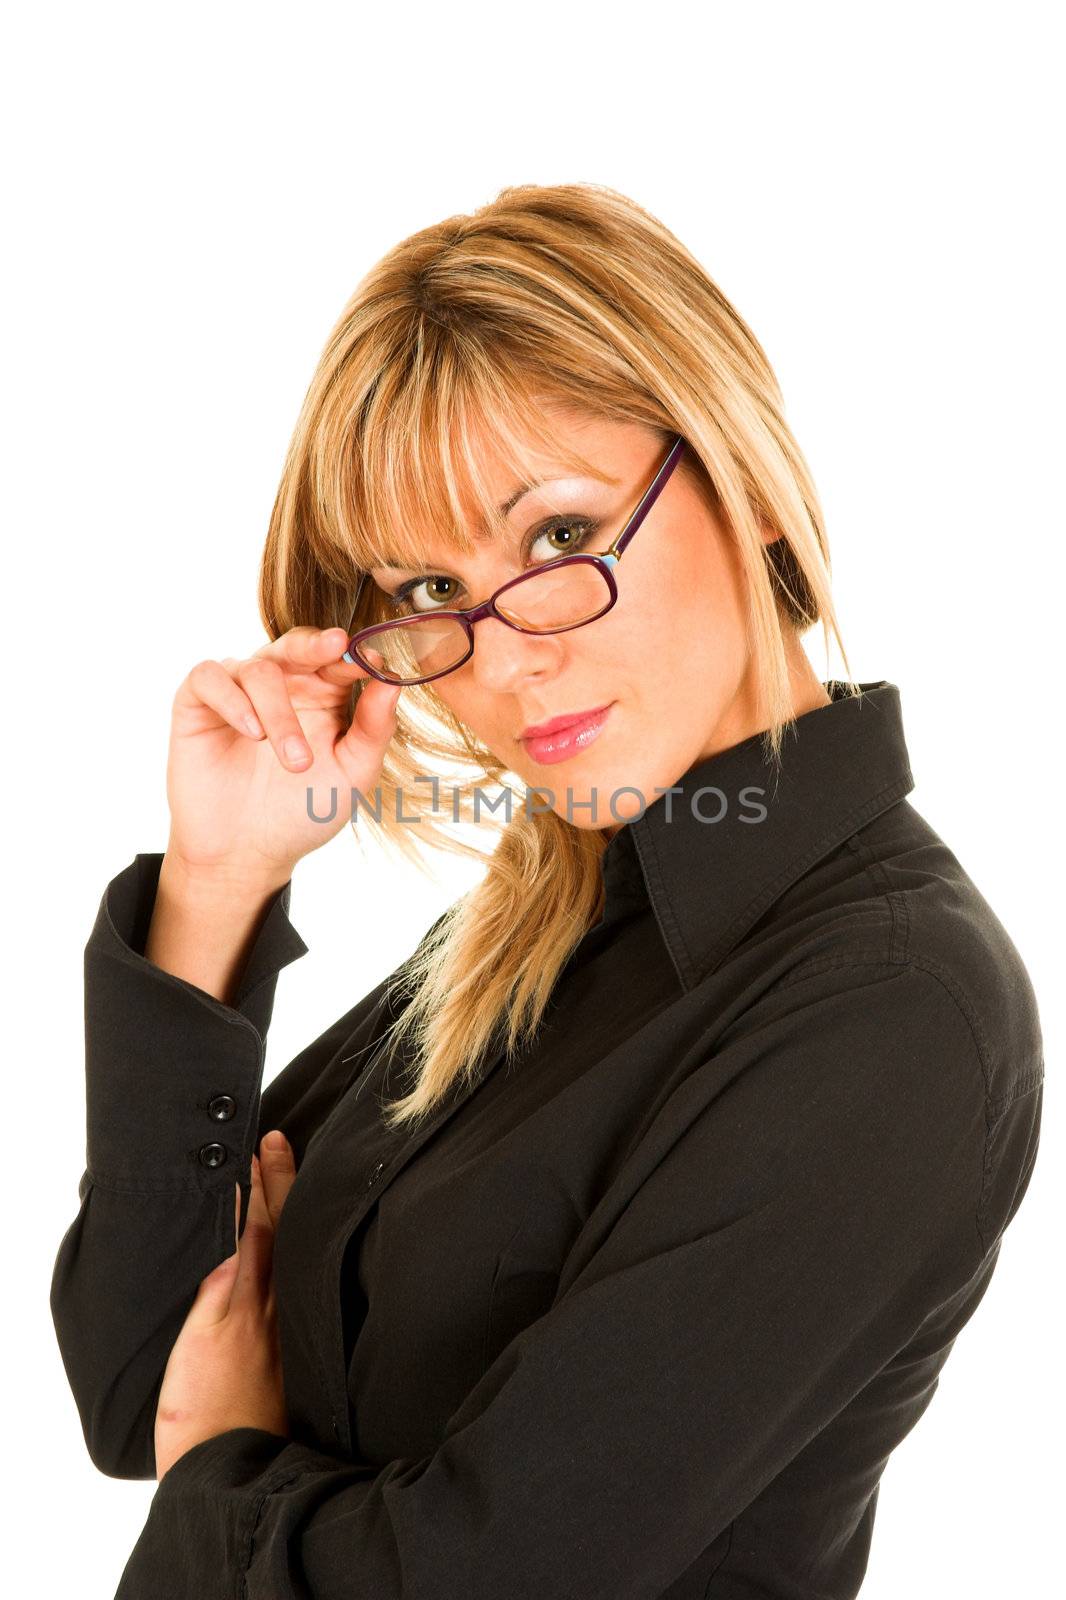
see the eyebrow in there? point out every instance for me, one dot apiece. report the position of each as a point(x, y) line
point(504, 510)
point(520, 494)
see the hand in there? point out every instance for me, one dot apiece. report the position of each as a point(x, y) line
point(238, 801)
point(225, 1368)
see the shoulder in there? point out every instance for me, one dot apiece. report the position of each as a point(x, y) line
point(854, 1028)
point(916, 921)
point(881, 1038)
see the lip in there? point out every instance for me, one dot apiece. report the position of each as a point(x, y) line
point(538, 730)
point(567, 736)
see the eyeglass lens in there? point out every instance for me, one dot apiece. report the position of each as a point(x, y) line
point(543, 602)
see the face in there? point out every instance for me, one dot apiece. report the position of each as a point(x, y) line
point(670, 661)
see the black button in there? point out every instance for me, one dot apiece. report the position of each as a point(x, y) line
point(336, 1428)
point(373, 1178)
point(213, 1155)
point(222, 1107)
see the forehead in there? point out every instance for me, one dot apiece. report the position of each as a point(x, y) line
point(458, 496)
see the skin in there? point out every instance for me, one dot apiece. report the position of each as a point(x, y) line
point(672, 653)
point(224, 1370)
point(673, 657)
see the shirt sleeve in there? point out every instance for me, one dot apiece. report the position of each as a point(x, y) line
point(174, 1111)
point(798, 1204)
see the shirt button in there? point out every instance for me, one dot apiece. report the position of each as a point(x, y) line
point(373, 1178)
point(212, 1155)
point(221, 1108)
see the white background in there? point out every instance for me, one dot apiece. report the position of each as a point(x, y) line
point(191, 195)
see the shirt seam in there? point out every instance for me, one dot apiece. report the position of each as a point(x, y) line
point(689, 971)
point(992, 1107)
point(840, 833)
point(895, 899)
point(1025, 1085)
point(269, 1488)
point(720, 1567)
point(662, 906)
point(174, 1186)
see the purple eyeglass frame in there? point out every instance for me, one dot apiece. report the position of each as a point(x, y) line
point(488, 608)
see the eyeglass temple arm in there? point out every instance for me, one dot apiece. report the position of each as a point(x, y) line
point(347, 656)
point(651, 494)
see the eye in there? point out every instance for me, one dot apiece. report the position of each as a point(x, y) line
point(443, 593)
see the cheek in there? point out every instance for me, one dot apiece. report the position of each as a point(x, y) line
point(479, 711)
point(708, 605)
point(453, 694)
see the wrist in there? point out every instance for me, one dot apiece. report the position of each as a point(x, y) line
point(231, 881)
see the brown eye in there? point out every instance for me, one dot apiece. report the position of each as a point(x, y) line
point(441, 593)
point(569, 532)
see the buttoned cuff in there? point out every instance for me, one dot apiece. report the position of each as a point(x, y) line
point(172, 1075)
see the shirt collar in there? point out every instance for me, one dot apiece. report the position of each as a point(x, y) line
point(733, 834)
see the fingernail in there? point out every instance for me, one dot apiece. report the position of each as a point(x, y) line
point(296, 750)
point(275, 1141)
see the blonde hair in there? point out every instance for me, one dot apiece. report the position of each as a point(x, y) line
point(472, 330)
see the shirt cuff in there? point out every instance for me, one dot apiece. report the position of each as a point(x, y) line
point(172, 1075)
point(199, 1538)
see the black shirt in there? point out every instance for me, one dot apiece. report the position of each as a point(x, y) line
point(645, 1313)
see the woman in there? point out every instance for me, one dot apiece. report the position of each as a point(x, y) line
point(624, 1230)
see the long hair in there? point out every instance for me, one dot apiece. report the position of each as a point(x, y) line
point(474, 329)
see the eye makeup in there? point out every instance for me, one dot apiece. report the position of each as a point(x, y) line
point(585, 528)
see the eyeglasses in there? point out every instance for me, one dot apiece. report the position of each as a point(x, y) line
point(555, 597)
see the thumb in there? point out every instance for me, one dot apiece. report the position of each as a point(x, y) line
point(213, 1296)
point(374, 720)
point(278, 1168)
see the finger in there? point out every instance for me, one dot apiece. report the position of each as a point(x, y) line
point(278, 1168)
point(214, 686)
point(342, 674)
point(374, 719)
point(304, 649)
point(264, 683)
point(256, 1252)
point(317, 650)
point(324, 657)
point(212, 1300)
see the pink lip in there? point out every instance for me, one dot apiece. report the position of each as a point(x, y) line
point(537, 730)
point(566, 737)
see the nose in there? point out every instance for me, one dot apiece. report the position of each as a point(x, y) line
point(504, 658)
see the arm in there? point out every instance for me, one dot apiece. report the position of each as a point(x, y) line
point(799, 1205)
point(203, 928)
point(174, 1111)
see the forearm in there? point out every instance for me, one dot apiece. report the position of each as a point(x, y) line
point(204, 926)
